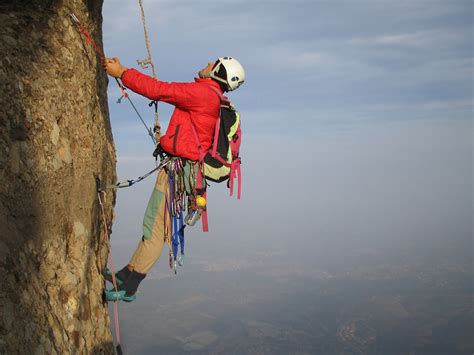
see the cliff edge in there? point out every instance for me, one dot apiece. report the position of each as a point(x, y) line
point(55, 140)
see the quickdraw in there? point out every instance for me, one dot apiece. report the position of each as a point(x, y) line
point(90, 41)
point(130, 182)
point(88, 38)
point(144, 64)
point(180, 201)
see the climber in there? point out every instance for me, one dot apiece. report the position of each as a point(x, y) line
point(196, 112)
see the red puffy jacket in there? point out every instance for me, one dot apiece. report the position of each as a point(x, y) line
point(194, 102)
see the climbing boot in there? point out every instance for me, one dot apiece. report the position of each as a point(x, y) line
point(121, 295)
point(130, 285)
point(120, 276)
point(127, 289)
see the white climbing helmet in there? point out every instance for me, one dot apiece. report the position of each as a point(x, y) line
point(234, 70)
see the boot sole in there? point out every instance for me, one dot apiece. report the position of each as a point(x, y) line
point(112, 296)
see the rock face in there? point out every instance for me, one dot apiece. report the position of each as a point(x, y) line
point(55, 140)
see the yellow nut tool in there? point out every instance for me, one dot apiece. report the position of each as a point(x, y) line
point(200, 201)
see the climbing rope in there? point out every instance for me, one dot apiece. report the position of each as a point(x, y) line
point(144, 64)
point(148, 61)
point(127, 96)
point(112, 267)
point(88, 40)
point(130, 182)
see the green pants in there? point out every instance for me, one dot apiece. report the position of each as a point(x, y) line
point(156, 222)
point(155, 228)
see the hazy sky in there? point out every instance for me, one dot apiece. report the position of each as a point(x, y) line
point(357, 119)
point(357, 145)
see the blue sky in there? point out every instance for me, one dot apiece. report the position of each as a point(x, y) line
point(338, 62)
point(357, 116)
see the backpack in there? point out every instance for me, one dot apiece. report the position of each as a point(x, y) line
point(222, 162)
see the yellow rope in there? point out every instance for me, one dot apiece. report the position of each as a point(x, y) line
point(149, 61)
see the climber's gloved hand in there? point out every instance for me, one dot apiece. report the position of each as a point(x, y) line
point(113, 67)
